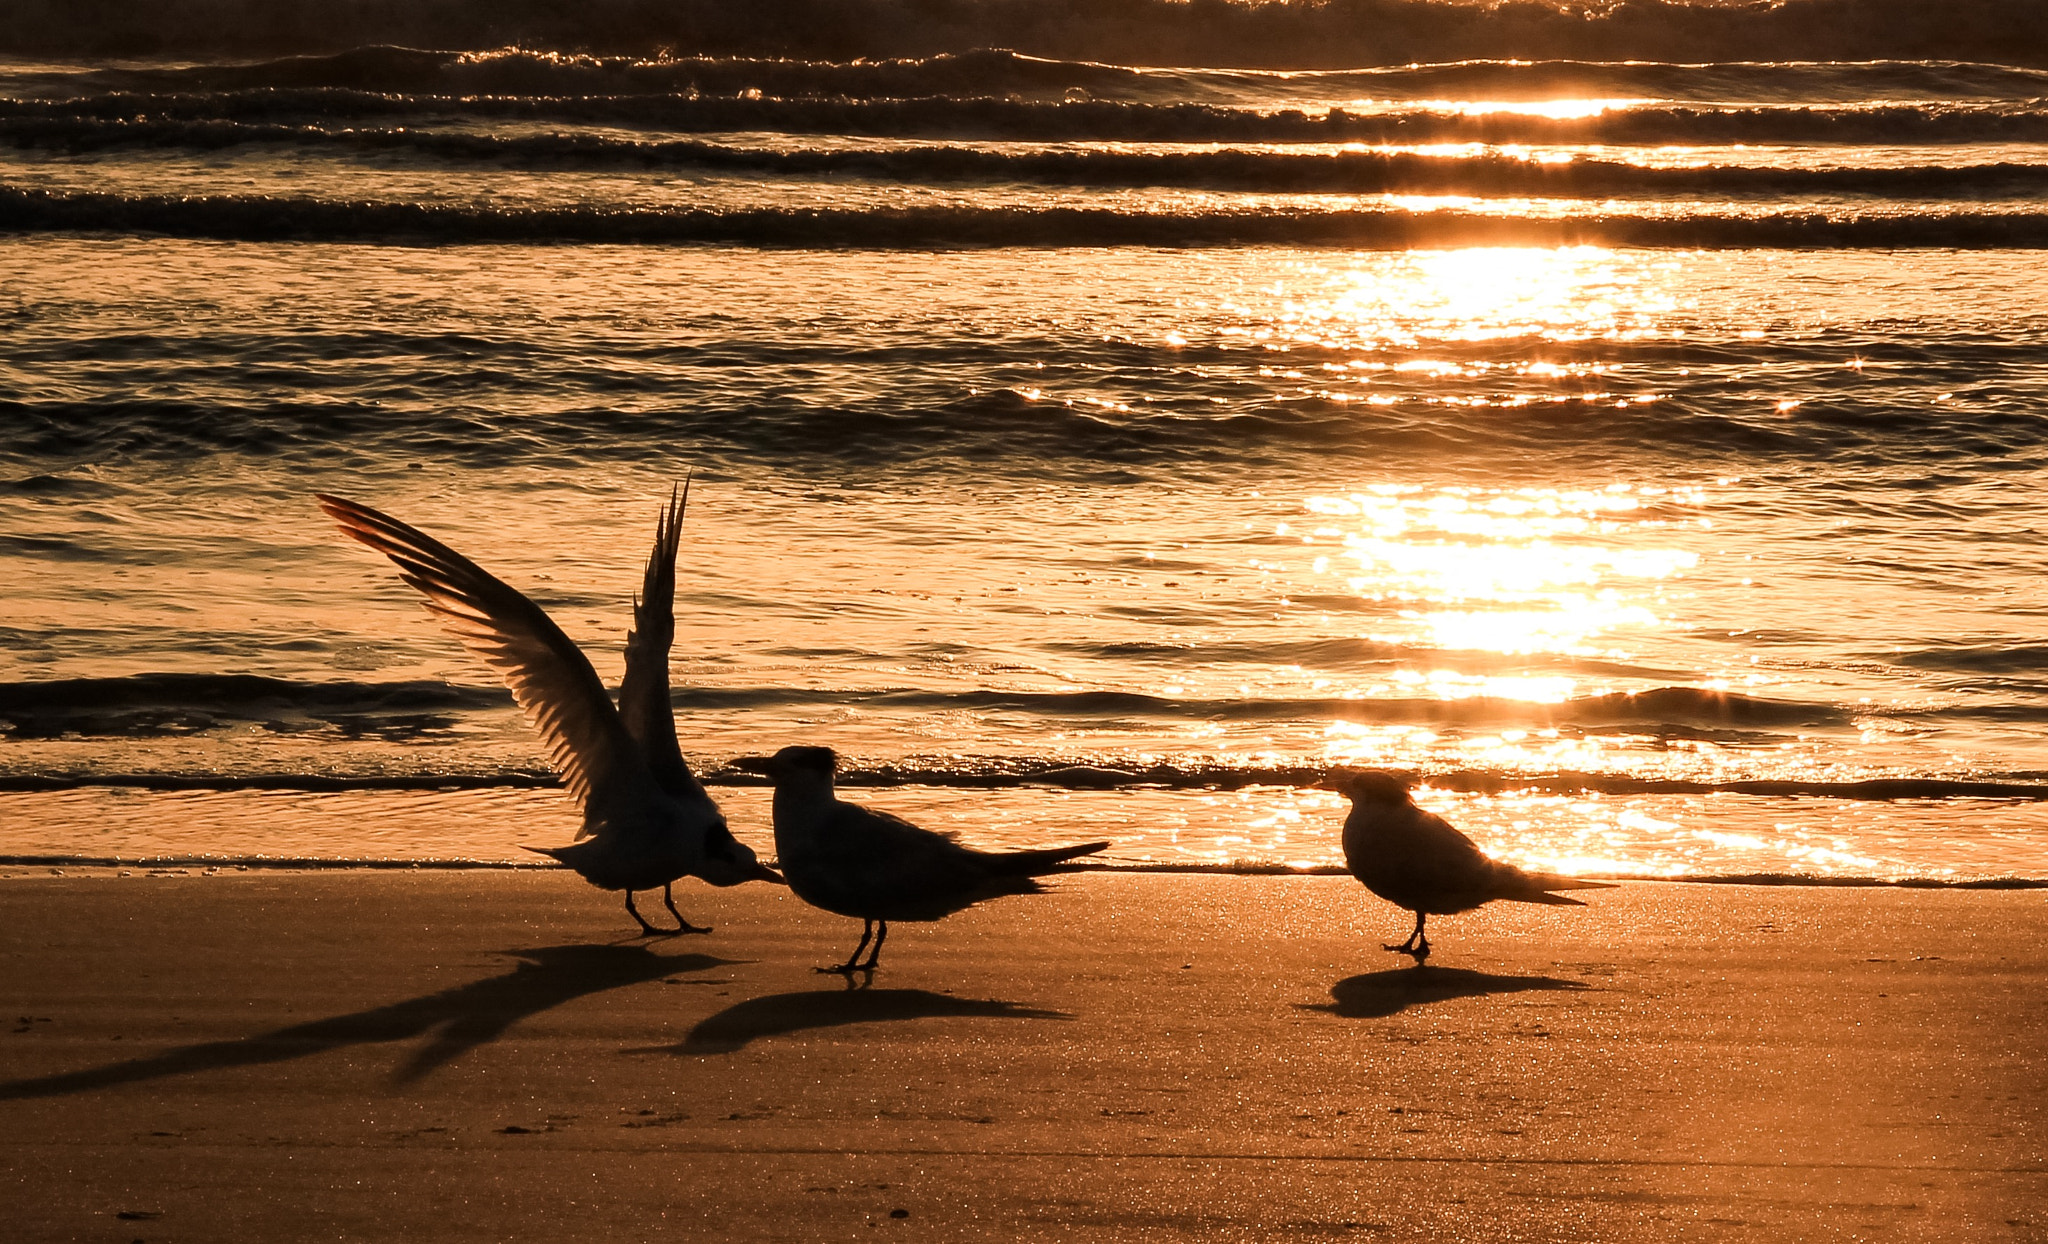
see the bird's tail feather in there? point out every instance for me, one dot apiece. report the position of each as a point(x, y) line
point(553, 853)
point(1539, 896)
point(1025, 863)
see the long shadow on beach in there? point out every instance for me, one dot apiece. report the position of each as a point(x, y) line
point(460, 1019)
point(1377, 995)
point(783, 1013)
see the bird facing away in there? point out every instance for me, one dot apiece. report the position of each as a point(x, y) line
point(858, 862)
point(1414, 859)
point(646, 820)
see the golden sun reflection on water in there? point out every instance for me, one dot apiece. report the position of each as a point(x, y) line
point(1356, 744)
point(1579, 835)
point(1609, 835)
point(1551, 109)
point(1517, 572)
point(1469, 295)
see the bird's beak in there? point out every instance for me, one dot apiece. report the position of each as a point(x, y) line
point(764, 873)
point(1330, 781)
point(763, 765)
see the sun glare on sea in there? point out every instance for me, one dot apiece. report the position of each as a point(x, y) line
point(1470, 295)
point(1510, 571)
point(1551, 109)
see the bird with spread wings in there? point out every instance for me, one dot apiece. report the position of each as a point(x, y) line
point(647, 820)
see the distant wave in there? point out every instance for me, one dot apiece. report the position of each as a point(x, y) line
point(990, 72)
point(156, 705)
point(229, 691)
point(144, 118)
point(1156, 32)
point(1342, 172)
point(1009, 431)
point(1994, 659)
point(263, 218)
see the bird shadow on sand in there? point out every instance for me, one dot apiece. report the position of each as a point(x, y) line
point(1376, 995)
point(780, 1014)
point(454, 1020)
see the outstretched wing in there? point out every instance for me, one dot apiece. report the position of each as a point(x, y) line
point(549, 675)
point(644, 696)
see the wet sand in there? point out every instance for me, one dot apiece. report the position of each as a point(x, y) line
point(468, 1056)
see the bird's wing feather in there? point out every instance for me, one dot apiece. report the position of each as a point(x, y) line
point(1452, 863)
point(644, 703)
point(549, 676)
point(1449, 858)
point(876, 857)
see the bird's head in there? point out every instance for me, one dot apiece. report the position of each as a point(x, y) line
point(793, 764)
point(728, 861)
point(1368, 785)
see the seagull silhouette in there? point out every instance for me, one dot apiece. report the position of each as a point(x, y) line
point(646, 819)
point(1414, 859)
point(873, 866)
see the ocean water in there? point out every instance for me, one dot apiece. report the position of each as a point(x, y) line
point(1649, 456)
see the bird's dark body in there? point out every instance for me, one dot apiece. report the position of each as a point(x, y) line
point(1420, 862)
point(878, 867)
point(1414, 859)
point(607, 868)
point(875, 866)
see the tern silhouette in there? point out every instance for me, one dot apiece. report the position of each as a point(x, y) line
point(875, 867)
point(1414, 859)
point(647, 821)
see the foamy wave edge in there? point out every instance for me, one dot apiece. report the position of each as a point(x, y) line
point(1078, 777)
point(262, 218)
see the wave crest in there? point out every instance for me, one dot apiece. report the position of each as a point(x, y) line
point(1261, 33)
point(263, 218)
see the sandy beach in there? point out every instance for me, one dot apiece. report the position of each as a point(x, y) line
point(468, 1056)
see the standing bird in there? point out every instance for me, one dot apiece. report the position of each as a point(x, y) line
point(1414, 859)
point(858, 862)
point(646, 820)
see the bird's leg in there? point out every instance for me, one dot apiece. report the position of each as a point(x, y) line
point(1417, 945)
point(881, 931)
point(668, 900)
point(867, 930)
point(646, 928)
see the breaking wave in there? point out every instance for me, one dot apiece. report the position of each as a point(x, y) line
point(1008, 772)
point(266, 218)
point(152, 705)
point(142, 119)
point(1273, 171)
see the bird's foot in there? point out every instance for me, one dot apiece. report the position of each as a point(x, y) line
point(1409, 948)
point(845, 969)
point(648, 930)
point(668, 900)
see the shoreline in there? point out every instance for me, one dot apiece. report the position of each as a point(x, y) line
point(100, 865)
point(1077, 778)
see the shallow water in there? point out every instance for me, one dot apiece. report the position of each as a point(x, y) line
point(1597, 538)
